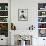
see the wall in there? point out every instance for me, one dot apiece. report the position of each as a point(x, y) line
point(32, 13)
point(32, 6)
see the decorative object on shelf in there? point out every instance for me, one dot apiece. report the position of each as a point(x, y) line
point(4, 26)
point(31, 27)
point(41, 25)
point(3, 6)
point(4, 29)
point(41, 13)
point(3, 13)
point(0, 7)
point(41, 19)
point(6, 7)
point(42, 32)
point(22, 14)
point(41, 6)
point(3, 19)
point(13, 27)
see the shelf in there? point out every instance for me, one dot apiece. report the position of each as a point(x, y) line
point(3, 16)
point(3, 10)
point(3, 22)
point(41, 28)
point(41, 10)
point(42, 16)
point(41, 22)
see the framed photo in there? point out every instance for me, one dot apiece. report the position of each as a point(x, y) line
point(22, 14)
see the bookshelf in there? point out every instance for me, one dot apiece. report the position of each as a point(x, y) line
point(4, 19)
point(42, 19)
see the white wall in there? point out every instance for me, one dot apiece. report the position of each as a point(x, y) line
point(32, 6)
point(32, 13)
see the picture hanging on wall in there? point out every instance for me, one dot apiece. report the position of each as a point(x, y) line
point(22, 14)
